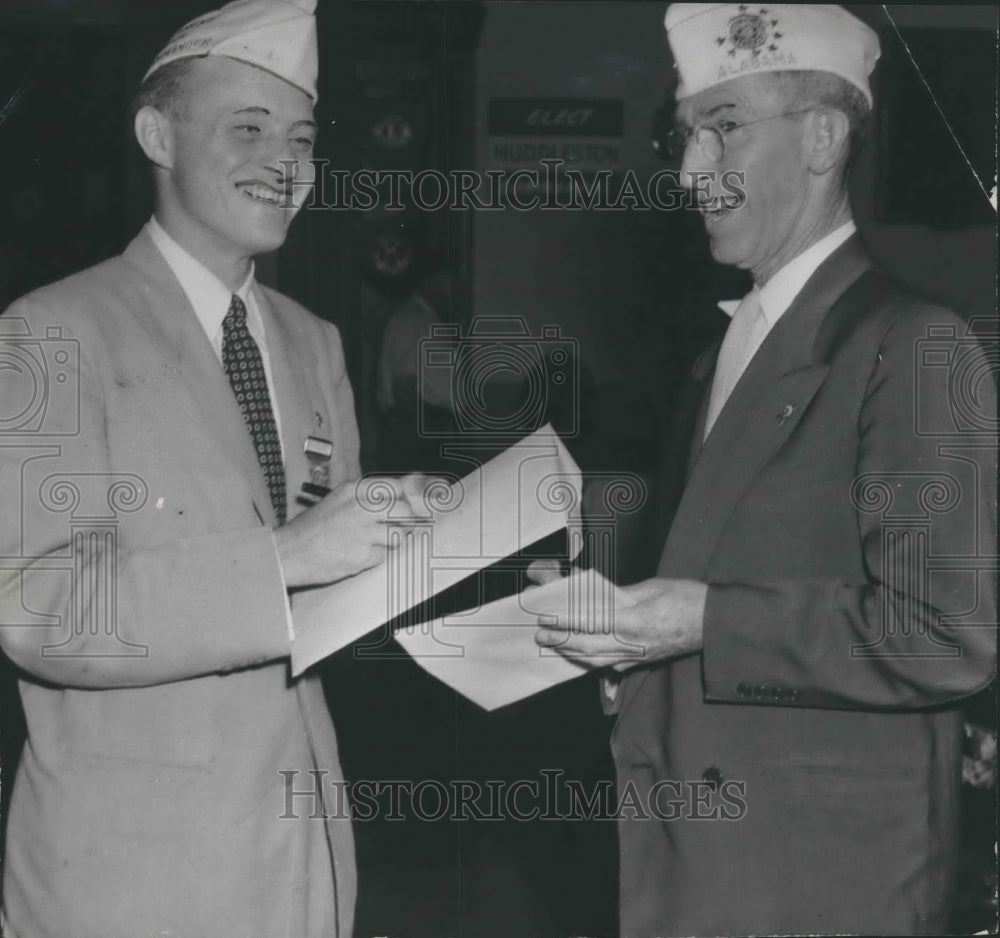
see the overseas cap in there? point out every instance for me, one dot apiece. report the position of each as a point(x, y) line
point(716, 42)
point(276, 35)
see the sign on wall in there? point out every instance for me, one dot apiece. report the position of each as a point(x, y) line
point(585, 133)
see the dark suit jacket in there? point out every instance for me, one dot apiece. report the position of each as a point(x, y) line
point(142, 600)
point(807, 761)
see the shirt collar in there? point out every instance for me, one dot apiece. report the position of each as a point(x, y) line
point(777, 294)
point(209, 296)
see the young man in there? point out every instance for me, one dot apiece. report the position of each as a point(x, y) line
point(159, 531)
point(791, 731)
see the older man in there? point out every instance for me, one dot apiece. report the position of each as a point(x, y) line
point(159, 529)
point(789, 740)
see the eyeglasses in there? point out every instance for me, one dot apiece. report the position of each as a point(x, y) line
point(710, 138)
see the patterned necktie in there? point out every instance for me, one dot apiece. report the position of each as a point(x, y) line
point(742, 339)
point(243, 363)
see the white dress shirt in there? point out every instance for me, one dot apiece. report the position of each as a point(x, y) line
point(759, 311)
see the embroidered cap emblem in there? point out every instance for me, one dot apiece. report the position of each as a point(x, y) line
point(751, 32)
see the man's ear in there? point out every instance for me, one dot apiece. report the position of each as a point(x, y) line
point(155, 133)
point(829, 130)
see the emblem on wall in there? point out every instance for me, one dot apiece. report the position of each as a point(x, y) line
point(393, 131)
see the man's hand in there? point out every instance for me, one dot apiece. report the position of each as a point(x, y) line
point(544, 570)
point(665, 622)
point(340, 536)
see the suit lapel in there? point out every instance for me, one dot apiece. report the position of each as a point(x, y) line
point(174, 327)
point(741, 443)
point(702, 386)
point(761, 414)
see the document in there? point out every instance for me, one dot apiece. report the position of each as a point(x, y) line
point(505, 504)
point(489, 654)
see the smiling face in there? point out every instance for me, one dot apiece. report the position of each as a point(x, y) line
point(765, 231)
point(228, 159)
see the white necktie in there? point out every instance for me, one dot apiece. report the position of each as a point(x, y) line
point(743, 338)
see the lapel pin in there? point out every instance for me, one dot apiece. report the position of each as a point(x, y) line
point(786, 412)
point(318, 451)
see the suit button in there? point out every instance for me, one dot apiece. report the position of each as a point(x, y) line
point(712, 775)
point(743, 689)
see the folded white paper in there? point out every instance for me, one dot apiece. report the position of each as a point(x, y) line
point(489, 655)
point(526, 493)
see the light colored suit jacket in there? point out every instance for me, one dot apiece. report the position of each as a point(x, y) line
point(143, 602)
point(808, 760)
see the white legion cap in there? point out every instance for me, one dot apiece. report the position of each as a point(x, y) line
point(716, 42)
point(276, 35)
